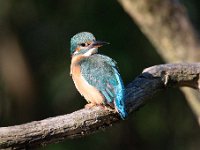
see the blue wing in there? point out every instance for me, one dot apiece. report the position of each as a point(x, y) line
point(100, 71)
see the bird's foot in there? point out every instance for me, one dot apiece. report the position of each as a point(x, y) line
point(109, 108)
point(90, 105)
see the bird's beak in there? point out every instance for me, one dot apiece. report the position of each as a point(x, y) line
point(99, 44)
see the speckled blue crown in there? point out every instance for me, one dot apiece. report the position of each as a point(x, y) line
point(79, 38)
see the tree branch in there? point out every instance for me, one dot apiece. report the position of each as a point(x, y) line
point(167, 26)
point(87, 121)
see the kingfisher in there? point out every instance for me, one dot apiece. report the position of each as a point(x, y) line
point(96, 76)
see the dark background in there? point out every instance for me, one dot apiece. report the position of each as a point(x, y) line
point(35, 81)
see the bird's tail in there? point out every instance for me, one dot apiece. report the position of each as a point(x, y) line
point(120, 105)
point(120, 98)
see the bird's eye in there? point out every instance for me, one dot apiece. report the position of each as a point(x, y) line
point(83, 44)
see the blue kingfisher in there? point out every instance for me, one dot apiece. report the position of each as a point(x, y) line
point(96, 76)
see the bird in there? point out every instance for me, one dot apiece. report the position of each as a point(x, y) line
point(96, 76)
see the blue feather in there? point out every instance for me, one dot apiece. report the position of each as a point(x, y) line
point(119, 101)
point(100, 71)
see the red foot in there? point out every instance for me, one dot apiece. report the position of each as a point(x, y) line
point(90, 105)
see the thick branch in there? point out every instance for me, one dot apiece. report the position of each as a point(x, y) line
point(167, 26)
point(87, 121)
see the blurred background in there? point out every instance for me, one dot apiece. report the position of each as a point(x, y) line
point(35, 81)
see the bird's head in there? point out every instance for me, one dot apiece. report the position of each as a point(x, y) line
point(84, 43)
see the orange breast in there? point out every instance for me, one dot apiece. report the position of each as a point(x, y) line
point(90, 93)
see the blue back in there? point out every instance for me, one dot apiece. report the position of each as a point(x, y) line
point(100, 71)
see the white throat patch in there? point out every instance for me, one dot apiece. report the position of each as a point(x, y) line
point(90, 52)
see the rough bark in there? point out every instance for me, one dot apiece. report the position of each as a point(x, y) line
point(87, 121)
point(167, 26)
